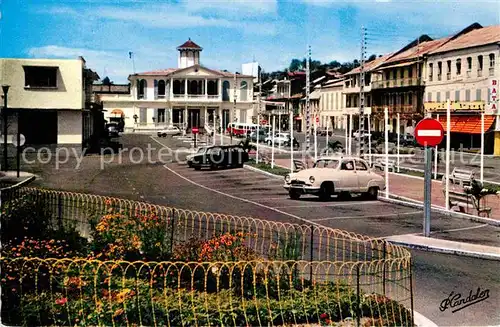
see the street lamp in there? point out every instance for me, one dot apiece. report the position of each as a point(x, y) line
point(5, 89)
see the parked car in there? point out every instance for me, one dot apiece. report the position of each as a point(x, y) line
point(357, 134)
point(113, 130)
point(322, 132)
point(215, 157)
point(262, 136)
point(335, 175)
point(170, 130)
point(279, 139)
point(190, 157)
point(296, 143)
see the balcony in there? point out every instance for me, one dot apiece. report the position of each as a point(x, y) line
point(492, 71)
point(355, 110)
point(402, 82)
point(356, 88)
point(396, 109)
point(448, 76)
point(439, 77)
point(196, 97)
point(479, 73)
point(468, 73)
point(457, 105)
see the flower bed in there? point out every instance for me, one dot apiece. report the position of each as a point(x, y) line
point(131, 272)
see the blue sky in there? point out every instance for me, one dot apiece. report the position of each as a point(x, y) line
point(231, 32)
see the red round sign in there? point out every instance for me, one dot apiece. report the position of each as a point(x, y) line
point(317, 119)
point(195, 130)
point(429, 132)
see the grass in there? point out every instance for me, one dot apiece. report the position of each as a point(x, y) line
point(267, 167)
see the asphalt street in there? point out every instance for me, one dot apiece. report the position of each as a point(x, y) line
point(247, 193)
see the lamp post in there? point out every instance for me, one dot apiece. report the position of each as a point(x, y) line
point(5, 89)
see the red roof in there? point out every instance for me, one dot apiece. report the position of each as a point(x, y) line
point(474, 38)
point(371, 65)
point(159, 72)
point(418, 50)
point(168, 71)
point(189, 45)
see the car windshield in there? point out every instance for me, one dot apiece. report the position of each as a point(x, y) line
point(326, 163)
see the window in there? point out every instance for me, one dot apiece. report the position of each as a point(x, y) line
point(492, 64)
point(326, 164)
point(448, 70)
point(430, 72)
point(387, 75)
point(440, 70)
point(429, 96)
point(469, 66)
point(467, 95)
point(438, 96)
point(143, 115)
point(243, 91)
point(480, 62)
point(410, 72)
point(160, 115)
point(410, 99)
point(478, 95)
point(402, 73)
point(457, 95)
point(347, 165)
point(360, 165)
point(225, 91)
point(459, 66)
point(141, 89)
point(161, 89)
point(447, 95)
point(36, 76)
point(394, 74)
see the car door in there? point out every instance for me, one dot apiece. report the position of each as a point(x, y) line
point(348, 179)
point(363, 174)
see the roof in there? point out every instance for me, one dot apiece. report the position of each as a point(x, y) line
point(474, 38)
point(417, 51)
point(470, 124)
point(189, 45)
point(168, 71)
point(371, 65)
point(333, 83)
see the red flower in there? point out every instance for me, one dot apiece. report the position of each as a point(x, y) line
point(324, 315)
point(61, 301)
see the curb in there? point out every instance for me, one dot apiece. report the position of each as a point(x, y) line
point(262, 171)
point(396, 199)
point(422, 321)
point(464, 253)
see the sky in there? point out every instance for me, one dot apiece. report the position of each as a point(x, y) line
point(231, 32)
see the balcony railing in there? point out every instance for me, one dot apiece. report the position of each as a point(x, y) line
point(448, 76)
point(479, 73)
point(201, 97)
point(468, 73)
point(402, 82)
point(492, 71)
point(393, 109)
point(439, 77)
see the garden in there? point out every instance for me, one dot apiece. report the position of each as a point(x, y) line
point(132, 269)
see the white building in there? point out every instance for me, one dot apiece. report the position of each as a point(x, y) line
point(50, 101)
point(190, 96)
point(331, 105)
point(461, 70)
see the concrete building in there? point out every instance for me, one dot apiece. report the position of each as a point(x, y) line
point(49, 100)
point(461, 70)
point(188, 96)
point(331, 104)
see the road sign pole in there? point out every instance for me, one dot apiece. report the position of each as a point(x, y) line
point(386, 132)
point(195, 140)
point(272, 138)
point(291, 142)
point(448, 142)
point(427, 190)
point(482, 148)
point(436, 158)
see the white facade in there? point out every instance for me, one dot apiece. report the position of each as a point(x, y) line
point(331, 106)
point(460, 76)
point(187, 96)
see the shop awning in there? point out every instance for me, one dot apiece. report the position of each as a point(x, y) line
point(469, 124)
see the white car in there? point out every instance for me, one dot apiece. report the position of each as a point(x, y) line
point(333, 176)
point(357, 134)
point(170, 130)
point(279, 139)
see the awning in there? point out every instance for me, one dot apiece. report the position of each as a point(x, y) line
point(470, 124)
point(117, 112)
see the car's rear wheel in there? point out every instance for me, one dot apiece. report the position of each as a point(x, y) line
point(372, 193)
point(294, 194)
point(197, 168)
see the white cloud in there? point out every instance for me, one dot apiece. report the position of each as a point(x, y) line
point(239, 7)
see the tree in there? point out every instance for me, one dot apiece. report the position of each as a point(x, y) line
point(106, 81)
point(372, 57)
point(295, 65)
point(334, 64)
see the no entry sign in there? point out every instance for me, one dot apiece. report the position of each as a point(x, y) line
point(429, 132)
point(195, 130)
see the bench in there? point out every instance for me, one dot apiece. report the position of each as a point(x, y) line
point(380, 164)
point(461, 177)
point(466, 201)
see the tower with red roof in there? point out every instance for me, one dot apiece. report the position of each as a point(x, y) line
point(189, 54)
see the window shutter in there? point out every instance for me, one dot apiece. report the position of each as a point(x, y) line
point(138, 87)
point(156, 89)
point(145, 89)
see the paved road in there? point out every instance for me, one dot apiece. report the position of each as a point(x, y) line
point(253, 194)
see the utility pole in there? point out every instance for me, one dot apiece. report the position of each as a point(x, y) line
point(234, 108)
point(308, 109)
point(258, 116)
point(361, 148)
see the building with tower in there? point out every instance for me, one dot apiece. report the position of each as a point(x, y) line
point(188, 96)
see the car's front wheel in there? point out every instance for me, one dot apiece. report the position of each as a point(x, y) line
point(372, 193)
point(294, 194)
point(326, 191)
